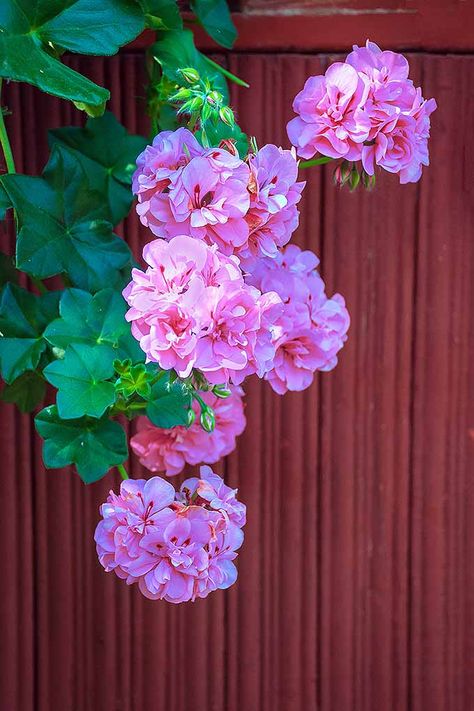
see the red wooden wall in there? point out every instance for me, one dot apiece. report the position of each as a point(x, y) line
point(356, 580)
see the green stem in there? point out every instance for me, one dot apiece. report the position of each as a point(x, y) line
point(199, 399)
point(7, 149)
point(314, 161)
point(123, 471)
point(226, 73)
point(39, 285)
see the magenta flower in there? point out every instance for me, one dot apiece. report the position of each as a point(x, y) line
point(220, 497)
point(207, 198)
point(156, 166)
point(331, 118)
point(310, 329)
point(274, 194)
point(168, 450)
point(192, 309)
point(175, 551)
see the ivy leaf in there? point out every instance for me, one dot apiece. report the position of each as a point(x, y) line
point(30, 32)
point(176, 49)
point(61, 227)
point(97, 321)
point(27, 391)
point(108, 153)
point(81, 378)
point(94, 446)
point(214, 16)
point(23, 319)
point(169, 402)
point(133, 379)
point(162, 14)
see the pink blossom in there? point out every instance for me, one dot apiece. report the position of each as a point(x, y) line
point(220, 497)
point(192, 309)
point(168, 450)
point(310, 329)
point(156, 166)
point(175, 550)
point(206, 199)
point(274, 194)
point(331, 118)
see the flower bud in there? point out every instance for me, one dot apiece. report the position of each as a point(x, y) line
point(190, 75)
point(342, 173)
point(181, 95)
point(228, 144)
point(221, 391)
point(191, 106)
point(58, 353)
point(227, 115)
point(354, 179)
point(215, 98)
point(191, 416)
point(206, 111)
point(368, 181)
point(208, 419)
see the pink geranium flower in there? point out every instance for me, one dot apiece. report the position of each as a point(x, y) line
point(192, 309)
point(274, 194)
point(310, 329)
point(177, 548)
point(331, 118)
point(168, 450)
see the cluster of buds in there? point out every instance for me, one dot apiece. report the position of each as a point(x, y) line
point(347, 173)
point(200, 101)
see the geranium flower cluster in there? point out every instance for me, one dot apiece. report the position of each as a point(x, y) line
point(178, 546)
point(311, 328)
point(192, 309)
point(168, 450)
point(366, 109)
point(245, 208)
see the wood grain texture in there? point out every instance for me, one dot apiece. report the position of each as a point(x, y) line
point(356, 582)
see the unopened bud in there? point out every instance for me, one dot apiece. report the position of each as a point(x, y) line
point(181, 95)
point(191, 106)
point(190, 75)
point(368, 181)
point(228, 144)
point(58, 353)
point(227, 115)
point(191, 417)
point(208, 420)
point(221, 391)
point(206, 111)
point(342, 173)
point(215, 98)
point(354, 179)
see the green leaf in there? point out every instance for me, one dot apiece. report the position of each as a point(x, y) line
point(94, 446)
point(5, 201)
point(108, 153)
point(81, 378)
point(220, 131)
point(133, 379)
point(162, 14)
point(61, 227)
point(176, 49)
point(26, 392)
point(32, 30)
point(169, 402)
point(23, 319)
point(97, 321)
point(214, 16)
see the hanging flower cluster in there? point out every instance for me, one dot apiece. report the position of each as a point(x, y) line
point(365, 109)
point(177, 545)
point(168, 450)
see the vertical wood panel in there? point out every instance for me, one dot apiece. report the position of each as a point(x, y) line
point(356, 583)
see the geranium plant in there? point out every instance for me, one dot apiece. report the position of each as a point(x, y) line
point(220, 294)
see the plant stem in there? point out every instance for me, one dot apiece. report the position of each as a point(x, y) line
point(39, 285)
point(123, 471)
point(226, 73)
point(314, 161)
point(6, 147)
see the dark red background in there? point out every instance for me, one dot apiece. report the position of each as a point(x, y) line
point(356, 580)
